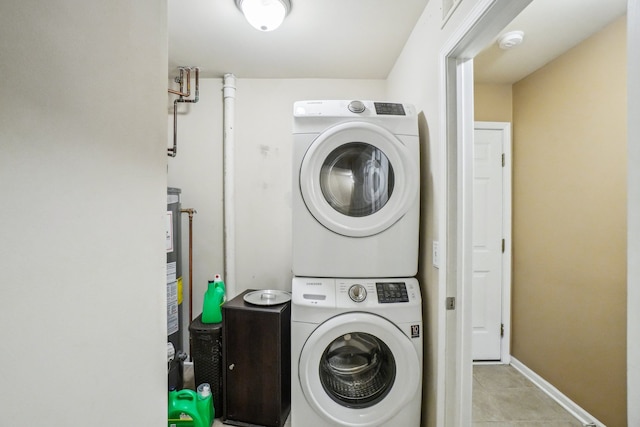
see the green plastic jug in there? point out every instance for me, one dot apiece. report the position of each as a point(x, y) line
point(190, 408)
point(213, 300)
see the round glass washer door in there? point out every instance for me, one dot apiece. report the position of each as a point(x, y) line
point(358, 369)
point(358, 179)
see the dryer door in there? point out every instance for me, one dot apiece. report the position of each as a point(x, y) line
point(359, 369)
point(357, 179)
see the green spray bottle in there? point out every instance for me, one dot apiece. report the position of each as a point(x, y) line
point(213, 300)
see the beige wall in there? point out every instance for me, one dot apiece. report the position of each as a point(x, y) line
point(633, 214)
point(569, 228)
point(492, 102)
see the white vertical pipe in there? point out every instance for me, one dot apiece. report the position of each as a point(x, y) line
point(229, 94)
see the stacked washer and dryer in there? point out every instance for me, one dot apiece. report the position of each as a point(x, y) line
point(356, 318)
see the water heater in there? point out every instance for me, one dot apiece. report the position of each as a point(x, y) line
point(175, 352)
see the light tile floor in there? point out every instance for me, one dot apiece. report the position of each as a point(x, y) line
point(502, 397)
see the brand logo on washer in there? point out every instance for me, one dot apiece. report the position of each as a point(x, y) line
point(314, 283)
point(415, 331)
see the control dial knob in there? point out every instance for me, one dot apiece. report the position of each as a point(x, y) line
point(357, 293)
point(356, 106)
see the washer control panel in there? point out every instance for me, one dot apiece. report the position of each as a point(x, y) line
point(352, 293)
point(390, 292)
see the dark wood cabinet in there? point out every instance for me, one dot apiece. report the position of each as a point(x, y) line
point(256, 352)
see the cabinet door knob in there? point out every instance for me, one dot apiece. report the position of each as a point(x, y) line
point(232, 366)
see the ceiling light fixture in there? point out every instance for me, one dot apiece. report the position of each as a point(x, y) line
point(264, 15)
point(510, 39)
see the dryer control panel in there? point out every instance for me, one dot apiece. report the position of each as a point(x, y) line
point(389, 108)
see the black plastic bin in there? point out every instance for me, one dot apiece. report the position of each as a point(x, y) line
point(206, 351)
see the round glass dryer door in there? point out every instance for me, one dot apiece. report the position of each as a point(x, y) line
point(357, 179)
point(358, 369)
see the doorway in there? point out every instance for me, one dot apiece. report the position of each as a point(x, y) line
point(459, 70)
point(477, 31)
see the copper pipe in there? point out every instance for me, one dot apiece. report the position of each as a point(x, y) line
point(181, 81)
point(190, 212)
point(197, 93)
point(174, 150)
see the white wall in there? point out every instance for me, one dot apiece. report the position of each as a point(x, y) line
point(263, 138)
point(83, 184)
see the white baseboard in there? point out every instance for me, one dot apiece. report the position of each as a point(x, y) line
point(573, 408)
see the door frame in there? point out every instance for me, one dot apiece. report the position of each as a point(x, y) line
point(505, 342)
point(479, 28)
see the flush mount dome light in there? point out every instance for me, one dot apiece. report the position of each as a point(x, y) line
point(264, 15)
point(510, 40)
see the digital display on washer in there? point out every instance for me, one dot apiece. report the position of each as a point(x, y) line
point(389, 108)
point(389, 292)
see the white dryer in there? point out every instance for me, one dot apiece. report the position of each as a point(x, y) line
point(356, 184)
point(356, 352)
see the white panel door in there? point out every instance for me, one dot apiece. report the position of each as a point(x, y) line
point(488, 209)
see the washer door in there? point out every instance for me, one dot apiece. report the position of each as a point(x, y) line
point(358, 369)
point(357, 179)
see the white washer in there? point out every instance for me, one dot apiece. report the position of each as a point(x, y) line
point(356, 352)
point(356, 184)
